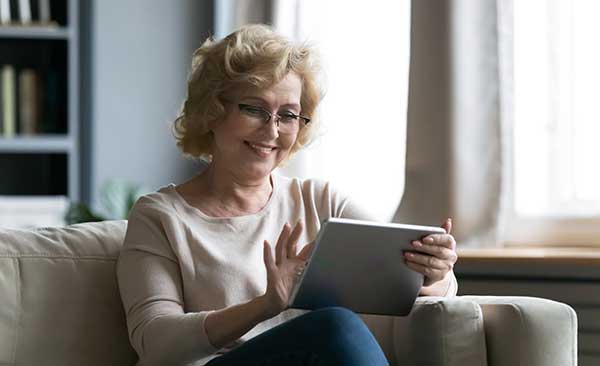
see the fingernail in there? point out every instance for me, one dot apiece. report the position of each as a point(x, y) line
point(428, 240)
point(417, 244)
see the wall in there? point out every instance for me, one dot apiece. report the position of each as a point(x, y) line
point(136, 66)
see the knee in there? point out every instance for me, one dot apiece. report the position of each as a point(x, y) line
point(337, 316)
point(339, 323)
point(344, 339)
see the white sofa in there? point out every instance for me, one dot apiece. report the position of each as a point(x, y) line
point(60, 305)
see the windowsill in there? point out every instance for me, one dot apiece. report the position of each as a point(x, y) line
point(561, 255)
point(540, 263)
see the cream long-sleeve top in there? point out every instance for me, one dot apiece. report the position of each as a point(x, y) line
point(178, 264)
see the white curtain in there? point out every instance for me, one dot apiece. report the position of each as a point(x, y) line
point(365, 54)
point(457, 140)
point(231, 14)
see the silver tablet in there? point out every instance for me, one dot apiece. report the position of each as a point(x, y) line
point(359, 265)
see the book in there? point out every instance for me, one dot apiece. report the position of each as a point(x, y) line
point(25, 11)
point(14, 10)
point(5, 17)
point(1, 106)
point(51, 103)
point(35, 11)
point(28, 102)
point(44, 11)
point(8, 100)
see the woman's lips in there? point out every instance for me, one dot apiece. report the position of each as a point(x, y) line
point(261, 150)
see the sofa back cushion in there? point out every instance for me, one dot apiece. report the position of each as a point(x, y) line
point(59, 298)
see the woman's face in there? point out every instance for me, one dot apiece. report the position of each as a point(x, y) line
point(250, 150)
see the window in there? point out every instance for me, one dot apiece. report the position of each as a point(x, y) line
point(556, 140)
point(365, 55)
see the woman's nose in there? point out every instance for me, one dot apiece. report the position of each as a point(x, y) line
point(271, 128)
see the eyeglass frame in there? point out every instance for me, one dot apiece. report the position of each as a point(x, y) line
point(269, 115)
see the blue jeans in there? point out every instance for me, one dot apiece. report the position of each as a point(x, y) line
point(330, 336)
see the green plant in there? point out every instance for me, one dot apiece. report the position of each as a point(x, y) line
point(116, 198)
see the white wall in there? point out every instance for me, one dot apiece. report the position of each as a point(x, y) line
point(140, 54)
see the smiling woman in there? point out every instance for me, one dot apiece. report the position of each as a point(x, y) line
point(246, 127)
point(219, 68)
point(208, 266)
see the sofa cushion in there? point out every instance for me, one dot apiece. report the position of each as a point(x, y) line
point(441, 331)
point(524, 331)
point(57, 284)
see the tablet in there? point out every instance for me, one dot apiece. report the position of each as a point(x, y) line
point(359, 265)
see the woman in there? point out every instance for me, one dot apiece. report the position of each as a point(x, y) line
point(207, 266)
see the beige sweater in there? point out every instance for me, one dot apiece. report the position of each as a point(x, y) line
point(178, 264)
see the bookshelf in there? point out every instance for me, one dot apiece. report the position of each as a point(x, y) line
point(33, 32)
point(39, 104)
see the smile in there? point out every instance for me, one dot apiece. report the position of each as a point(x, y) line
point(260, 149)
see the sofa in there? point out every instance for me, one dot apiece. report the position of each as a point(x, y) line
point(60, 305)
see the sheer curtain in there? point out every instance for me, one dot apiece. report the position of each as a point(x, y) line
point(231, 14)
point(503, 121)
point(457, 134)
point(365, 54)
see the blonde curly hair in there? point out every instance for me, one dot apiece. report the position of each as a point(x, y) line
point(254, 56)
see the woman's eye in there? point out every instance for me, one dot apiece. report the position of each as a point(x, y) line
point(257, 112)
point(287, 117)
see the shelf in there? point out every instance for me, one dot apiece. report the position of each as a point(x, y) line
point(34, 144)
point(34, 32)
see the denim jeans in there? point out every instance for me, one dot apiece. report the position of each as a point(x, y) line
point(330, 336)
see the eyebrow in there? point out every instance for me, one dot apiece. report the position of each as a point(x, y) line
point(265, 103)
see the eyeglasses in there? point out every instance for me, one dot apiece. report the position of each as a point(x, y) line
point(287, 122)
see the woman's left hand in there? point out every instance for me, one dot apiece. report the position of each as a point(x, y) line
point(433, 256)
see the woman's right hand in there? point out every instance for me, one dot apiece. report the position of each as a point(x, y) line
point(283, 270)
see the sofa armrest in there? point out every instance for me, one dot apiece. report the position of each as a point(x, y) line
point(441, 331)
point(479, 330)
point(528, 331)
point(438, 331)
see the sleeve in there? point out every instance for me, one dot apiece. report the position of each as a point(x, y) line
point(151, 290)
point(452, 287)
point(343, 206)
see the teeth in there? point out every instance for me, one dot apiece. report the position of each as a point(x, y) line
point(261, 148)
